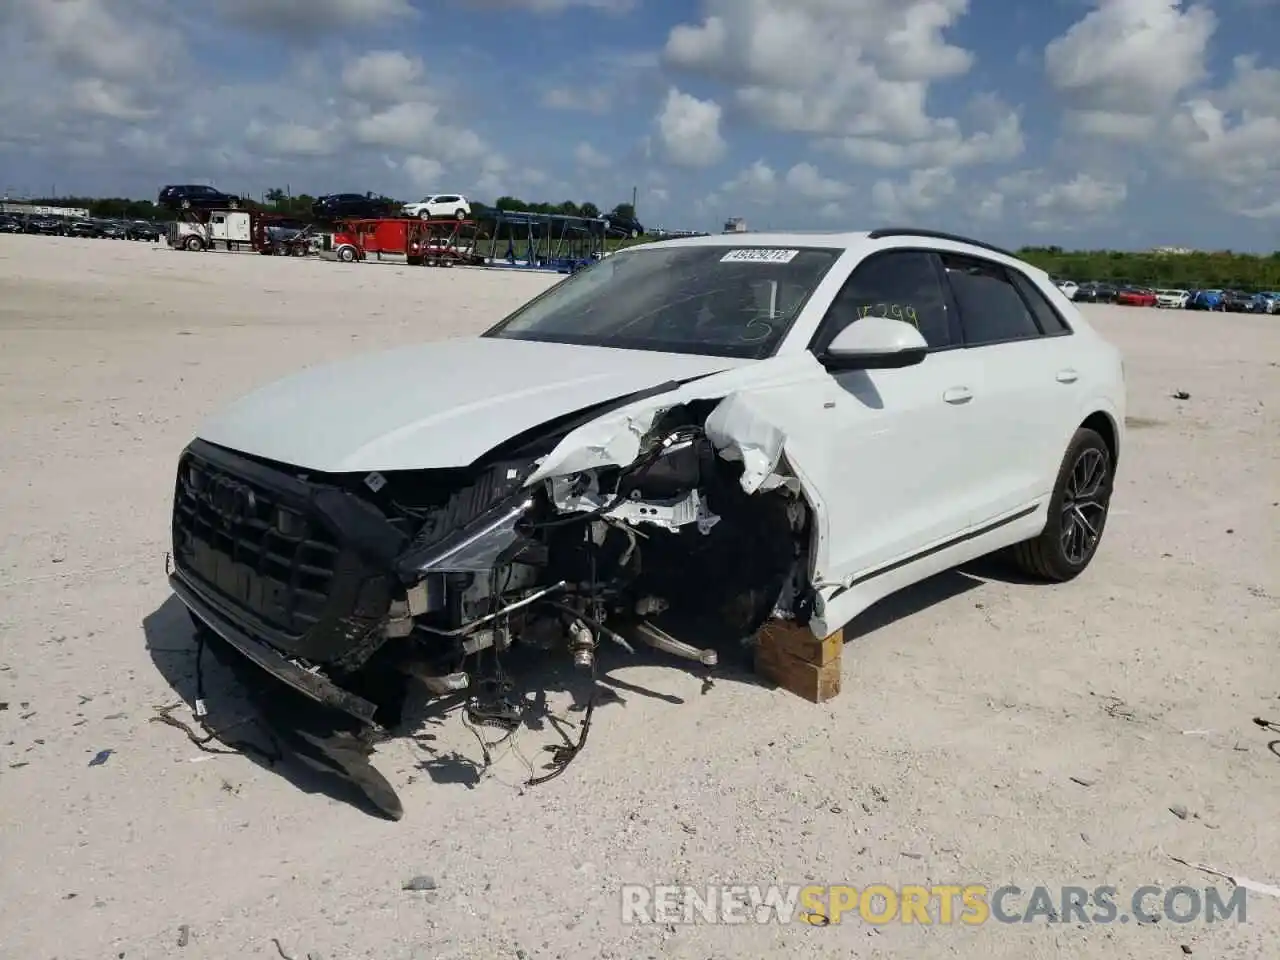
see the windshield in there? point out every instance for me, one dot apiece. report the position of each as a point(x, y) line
point(719, 301)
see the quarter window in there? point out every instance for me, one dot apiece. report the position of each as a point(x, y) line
point(991, 309)
point(1050, 320)
point(901, 285)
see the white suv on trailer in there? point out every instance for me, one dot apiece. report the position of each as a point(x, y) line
point(439, 206)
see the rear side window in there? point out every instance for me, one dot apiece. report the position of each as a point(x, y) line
point(991, 309)
point(1050, 320)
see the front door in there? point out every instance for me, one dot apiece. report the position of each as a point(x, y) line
point(891, 451)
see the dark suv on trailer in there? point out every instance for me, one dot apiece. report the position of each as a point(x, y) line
point(355, 206)
point(195, 197)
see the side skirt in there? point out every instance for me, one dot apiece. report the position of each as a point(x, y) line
point(847, 601)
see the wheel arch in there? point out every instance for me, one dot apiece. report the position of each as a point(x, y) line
point(1101, 423)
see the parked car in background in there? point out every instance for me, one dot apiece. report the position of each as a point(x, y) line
point(149, 232)
point(47, 226)
point(1268, 302)
point(10, 224)
point(1172, 299)
point(1095, 292)
point(359, 206)
point(194, 196)
point(439, 206)
point(1205, 300)
point(1136, 297)
point(622, 226)
point(1069, 288)
point(1234, 301)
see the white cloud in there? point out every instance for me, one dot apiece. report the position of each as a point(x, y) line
point(109, 81)
point(860, 75)
point(1043, 200)
point(406, 125)
point(808, 182)
point(595, 100)
point(1082, 194)
point(756, 184)
point(1229, 139)
point(947, 145)
point(1122, 66)
point(554, 6)
point(101, 98)
point(585, 155)
point(690, 130)
point(381, 76)
point(424, 172)
point(123, 41)
point(312, 17)
point(921, 192)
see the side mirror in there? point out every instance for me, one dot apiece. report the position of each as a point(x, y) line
point(875, 343)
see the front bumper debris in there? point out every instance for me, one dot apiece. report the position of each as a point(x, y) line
point(209, 611)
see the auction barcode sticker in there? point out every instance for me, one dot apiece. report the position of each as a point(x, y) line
point(758, 255)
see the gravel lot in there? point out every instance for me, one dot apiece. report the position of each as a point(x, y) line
point(969, 703)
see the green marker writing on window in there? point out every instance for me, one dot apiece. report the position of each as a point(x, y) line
point(892, 311)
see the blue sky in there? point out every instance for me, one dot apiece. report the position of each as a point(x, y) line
point(1122, 123)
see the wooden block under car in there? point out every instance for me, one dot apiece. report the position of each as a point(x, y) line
point(792, 657)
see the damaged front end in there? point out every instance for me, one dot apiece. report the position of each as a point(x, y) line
point(346, 586)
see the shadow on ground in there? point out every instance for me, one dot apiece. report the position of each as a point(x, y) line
point(319, 750)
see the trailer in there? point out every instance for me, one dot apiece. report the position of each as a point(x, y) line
point(550, 242)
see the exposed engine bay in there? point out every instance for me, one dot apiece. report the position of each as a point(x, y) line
point(349, 587)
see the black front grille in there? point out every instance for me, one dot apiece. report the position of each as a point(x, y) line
point(238, 536)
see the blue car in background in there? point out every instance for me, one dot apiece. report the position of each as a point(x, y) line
point(1205, 300)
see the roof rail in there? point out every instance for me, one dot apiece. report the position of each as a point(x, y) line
point(936, 235)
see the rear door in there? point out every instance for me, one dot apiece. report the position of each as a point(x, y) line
point(1024, 371)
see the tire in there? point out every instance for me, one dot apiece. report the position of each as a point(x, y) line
point(186, 204)
point(459, 214)
point(233, 204)
point(1076, 523)
point(193, 243)
point(634, 234)
point(347, 254)
point(424, 214)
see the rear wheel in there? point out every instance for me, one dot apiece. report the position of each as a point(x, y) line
point(347, 254)
point(424, 214)
point(1077, 513)
point(459, 214)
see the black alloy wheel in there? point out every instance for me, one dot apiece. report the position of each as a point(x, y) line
point(1077, 512)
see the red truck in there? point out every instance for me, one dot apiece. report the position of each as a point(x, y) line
point(418, 241)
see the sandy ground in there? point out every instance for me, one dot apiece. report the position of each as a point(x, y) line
point(969, 702)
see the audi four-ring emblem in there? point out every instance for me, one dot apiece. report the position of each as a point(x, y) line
point(231, 501)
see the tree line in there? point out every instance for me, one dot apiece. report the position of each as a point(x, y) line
point(1222, 269)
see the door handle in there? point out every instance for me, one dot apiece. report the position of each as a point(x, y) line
point(958, 395)
point(1067, 376)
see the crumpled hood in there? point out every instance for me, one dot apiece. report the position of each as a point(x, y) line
point(432, 405)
